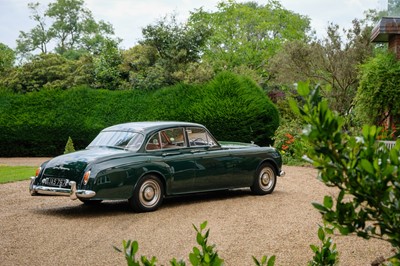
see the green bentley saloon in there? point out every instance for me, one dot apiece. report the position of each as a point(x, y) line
point(145, 162)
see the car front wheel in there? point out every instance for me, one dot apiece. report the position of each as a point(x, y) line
point(148, 194)
point(265, 180)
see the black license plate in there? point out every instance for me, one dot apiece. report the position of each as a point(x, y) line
point(57, 182)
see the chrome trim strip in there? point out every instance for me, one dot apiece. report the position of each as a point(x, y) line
point(73, 193)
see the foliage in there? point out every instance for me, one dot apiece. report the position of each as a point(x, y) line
point(327, 254)
point(378, 95)
point(364, 171)
point(206, 256)
point(38, 123)
point(107, 74)
point(170, 49)
point(7, 58)
point(15, 173)
point(247, 35)
point(48, 71)
point(289, 142)
point(265, 261)
point(69, 147)
point(72, 28)
point(331, 61)
point(287, 138)
point(130, 249)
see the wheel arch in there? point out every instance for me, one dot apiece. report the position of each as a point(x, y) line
point(271, 162)
point(158, 174)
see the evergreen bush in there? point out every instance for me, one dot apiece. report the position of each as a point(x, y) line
point(37, 123)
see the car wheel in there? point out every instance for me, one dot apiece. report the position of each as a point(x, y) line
point(90, 202)
point(265, 180)
point(148, 194)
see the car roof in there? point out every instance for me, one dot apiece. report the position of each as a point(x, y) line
point(149, 126)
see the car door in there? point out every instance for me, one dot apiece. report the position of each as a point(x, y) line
point(171, 149)
point(212, 163)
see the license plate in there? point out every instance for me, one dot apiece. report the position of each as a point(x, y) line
point(57, 182)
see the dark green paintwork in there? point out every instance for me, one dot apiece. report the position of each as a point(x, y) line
point(115, 172)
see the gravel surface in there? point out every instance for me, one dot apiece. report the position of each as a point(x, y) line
point(58, 231)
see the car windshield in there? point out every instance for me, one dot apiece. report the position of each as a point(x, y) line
point(118, 139)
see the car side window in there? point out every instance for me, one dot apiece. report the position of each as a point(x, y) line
point(172, 138)
point(200, 137)
point(154, 142)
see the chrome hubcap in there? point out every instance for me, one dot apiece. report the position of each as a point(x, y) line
point(150, 193)
point(266, 178)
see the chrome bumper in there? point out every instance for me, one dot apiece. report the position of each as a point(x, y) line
point(73, 193)
point(282, 173)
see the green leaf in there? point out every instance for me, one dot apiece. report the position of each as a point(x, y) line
point(135, 247)
point(328, 202)
point(303, 89)
point(320, 207)
point(193, 259)
point(321, 234)
point(367, 166)
point(203, 225)
point(256, 262)
point(271, 261)
point(314, 248)
point(294, 106)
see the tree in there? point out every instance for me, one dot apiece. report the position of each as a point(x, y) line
point(140, 68)
point(378, 97)
point(173, 48)
point(363, 170)
point(67, 24)
point(37, 38)
point(331, 61)
point(244, 36)
point(51, 71)
point(7, 58)
point(107, 73)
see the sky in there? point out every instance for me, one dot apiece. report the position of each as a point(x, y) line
point(128, 17)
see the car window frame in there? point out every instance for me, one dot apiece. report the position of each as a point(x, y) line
point(164, 141)
point(208, 136)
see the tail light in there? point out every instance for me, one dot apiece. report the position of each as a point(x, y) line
point(38, 171)
point(86, 177)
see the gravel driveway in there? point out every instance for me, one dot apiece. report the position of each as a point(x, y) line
point(58, 231)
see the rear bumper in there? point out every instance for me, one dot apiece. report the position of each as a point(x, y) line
point(282, 173)
point(72, 192)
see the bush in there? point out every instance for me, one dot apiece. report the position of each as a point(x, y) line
point(363, 169)
point(203, 256)
point(37, 123)
point(69, 147)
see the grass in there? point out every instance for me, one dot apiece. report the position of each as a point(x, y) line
point(16, 173)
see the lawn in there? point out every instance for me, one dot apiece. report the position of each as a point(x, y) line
point(16, 173)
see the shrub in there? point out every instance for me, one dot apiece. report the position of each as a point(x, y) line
point(37, 123)
point(289, 142)
point(364, 171)
point(69, 147)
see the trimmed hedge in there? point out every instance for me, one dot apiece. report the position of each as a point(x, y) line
point(39, 123)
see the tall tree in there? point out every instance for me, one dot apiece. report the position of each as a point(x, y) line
point(246, 35)
point(68, 25)
point(37, 38)
point(168, 53)
point(332, 61)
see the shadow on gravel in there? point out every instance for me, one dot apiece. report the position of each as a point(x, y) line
point(112, 208)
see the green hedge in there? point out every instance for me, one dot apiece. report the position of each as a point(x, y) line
point(39, 123)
